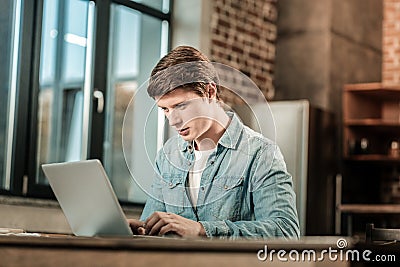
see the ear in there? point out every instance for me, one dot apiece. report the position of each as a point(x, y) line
point(212, 90)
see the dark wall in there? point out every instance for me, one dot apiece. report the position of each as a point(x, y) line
point(323, 44)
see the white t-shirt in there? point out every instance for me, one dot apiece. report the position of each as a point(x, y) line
point(195, 173)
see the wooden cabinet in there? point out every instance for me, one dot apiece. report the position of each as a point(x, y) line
point(371, 161)
point(371, 113)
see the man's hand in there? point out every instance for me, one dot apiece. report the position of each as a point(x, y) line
point(136, 226)
point(160, 223)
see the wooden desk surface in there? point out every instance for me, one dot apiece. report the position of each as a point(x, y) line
point(166, 243)
point(56, 250)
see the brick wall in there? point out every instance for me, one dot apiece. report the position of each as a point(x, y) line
point(243, 35)
point(391, 42)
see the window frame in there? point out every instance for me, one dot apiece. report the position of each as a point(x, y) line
point(24, 154)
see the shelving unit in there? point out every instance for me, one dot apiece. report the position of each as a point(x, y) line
point(371, 122)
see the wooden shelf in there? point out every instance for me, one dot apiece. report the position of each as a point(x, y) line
point(373, 157)
point(370, 86)
point(377, 90)
point(370, 208)
point(371, 111)
point(372, 123)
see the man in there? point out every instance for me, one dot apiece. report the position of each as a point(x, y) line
point(218, 177)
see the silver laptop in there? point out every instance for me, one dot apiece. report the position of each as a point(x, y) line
point(87, 199)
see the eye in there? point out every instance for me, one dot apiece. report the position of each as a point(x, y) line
point(181, 105)
point(164, 109)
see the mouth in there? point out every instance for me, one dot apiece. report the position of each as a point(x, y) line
point(184, 131)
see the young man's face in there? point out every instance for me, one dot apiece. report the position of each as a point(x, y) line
point(187, 112)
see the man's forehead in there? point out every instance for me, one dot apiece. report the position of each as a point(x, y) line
point(177, 95)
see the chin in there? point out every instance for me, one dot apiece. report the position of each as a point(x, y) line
point(187, 138)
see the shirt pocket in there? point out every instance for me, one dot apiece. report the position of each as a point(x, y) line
point(226, 197)
point(173, 193)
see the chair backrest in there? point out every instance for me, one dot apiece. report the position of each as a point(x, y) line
point(381, 234)
point(289, 129)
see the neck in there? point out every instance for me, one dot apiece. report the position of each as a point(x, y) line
point(210, 138)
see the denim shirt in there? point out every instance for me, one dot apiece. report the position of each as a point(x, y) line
point(245, 189)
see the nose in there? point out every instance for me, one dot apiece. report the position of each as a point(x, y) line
point(174, 119)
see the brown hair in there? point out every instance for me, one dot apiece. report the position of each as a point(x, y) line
point(176, 62)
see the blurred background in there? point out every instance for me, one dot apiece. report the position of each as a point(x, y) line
point(71, 67)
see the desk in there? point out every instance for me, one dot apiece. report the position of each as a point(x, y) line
point(80, 251)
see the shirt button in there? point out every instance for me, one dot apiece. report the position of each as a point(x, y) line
point(202, 188)
point(170, 184)
point(189, 163)
point(225, 187)
point(212, 162)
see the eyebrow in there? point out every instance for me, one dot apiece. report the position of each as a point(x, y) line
point(174, 105)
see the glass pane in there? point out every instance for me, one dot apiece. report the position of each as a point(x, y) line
point(74, 40)
point(62, 78)
point(9, 34)
point(162, 5)
point(137, 42)
point(49, 42)
point(125, 59)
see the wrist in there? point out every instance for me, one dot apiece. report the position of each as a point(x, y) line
point(202, 231)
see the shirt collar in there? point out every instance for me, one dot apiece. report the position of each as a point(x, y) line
point(229, 139)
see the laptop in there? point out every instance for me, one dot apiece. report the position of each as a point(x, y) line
point(87, 199)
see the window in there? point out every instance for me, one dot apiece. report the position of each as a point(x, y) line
point(87, 59)
point(63, 61)
point(160, 5)
point(133, 53)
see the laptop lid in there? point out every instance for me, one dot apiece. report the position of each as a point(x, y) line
point(87, 199)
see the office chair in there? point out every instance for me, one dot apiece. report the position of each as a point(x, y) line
point(381, 234)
